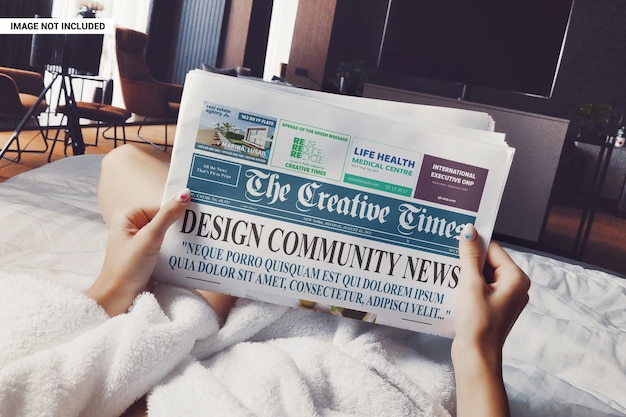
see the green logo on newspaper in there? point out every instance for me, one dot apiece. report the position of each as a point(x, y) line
point(306, 156)
point(306, 150)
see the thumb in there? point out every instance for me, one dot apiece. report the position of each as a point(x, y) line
point(470, 252)
point(169, 212)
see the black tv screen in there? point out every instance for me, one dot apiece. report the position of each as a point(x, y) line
point(512, 45)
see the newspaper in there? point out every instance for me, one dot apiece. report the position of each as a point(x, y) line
point(345, 205)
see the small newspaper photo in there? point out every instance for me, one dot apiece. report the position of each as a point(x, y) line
point(344, 205)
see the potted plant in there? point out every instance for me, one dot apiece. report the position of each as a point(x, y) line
point(88, 9)
point(592, 118)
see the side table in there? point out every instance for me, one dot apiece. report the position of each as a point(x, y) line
point(592, 198)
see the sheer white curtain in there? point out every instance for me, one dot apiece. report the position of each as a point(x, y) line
point(133, 14)
point(280, 36)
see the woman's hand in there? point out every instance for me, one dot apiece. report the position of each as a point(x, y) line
point(485, 312)
point(488, 307)
point(132, 251)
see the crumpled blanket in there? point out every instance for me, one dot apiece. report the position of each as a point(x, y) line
point(61, 355)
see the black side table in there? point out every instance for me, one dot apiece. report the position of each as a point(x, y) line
point(590, 204)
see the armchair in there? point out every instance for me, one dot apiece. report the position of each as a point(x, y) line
point(22, 97)
point(143, 95)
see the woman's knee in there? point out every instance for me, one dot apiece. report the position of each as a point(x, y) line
point(120, 157)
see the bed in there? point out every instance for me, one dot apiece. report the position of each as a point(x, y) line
point(566, 355)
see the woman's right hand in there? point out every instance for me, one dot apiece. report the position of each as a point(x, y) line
point(484, 314)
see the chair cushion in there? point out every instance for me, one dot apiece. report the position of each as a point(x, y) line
point(28, 100)
point(173, 108)
point(131, 41)
point(130, 49)
point(28, 82)
point(96, 111)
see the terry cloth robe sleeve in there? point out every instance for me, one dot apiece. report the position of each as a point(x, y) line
point(61, 355)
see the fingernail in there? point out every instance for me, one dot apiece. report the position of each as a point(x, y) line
point(469, 233)
point(183, 196)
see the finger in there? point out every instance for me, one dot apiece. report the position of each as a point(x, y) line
point(470, 252)
point(507, 269)
point(169, 212)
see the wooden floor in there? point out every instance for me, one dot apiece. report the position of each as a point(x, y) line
point(32, 140)
point(606, 247)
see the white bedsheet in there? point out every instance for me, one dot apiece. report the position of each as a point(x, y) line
point(566, 356)
point(50, 223)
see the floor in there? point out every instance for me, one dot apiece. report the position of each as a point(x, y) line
point(32, 140)
point(606, 247)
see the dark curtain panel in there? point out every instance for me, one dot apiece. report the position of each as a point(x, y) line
point(15, 49)
point(162, 37)
point(172, 50)
point(258, 34)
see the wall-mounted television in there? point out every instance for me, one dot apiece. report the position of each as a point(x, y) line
point(513, 45)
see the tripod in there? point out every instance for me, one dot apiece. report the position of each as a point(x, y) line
point(73, 124)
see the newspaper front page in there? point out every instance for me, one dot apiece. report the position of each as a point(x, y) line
point(344, 205)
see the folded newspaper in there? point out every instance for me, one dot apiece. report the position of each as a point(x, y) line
point(345, 205)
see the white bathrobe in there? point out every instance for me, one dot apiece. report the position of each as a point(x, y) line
point(61, 355)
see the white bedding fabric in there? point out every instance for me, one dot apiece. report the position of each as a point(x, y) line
point(61, 355)
point(566, 356)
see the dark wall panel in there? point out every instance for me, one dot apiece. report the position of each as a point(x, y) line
point(15, 49)
point(198, 36)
